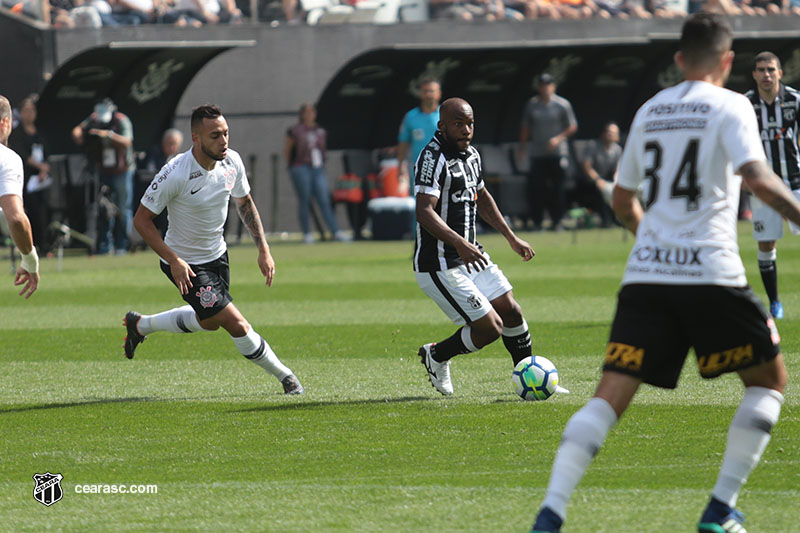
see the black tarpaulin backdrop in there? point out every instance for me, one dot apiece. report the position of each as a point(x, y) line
point(145, 80)
point(362, 106)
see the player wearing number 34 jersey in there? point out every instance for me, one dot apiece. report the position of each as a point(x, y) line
point(684, 285)
point(685, 143)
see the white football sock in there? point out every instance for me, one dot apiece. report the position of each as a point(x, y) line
point(178, 320)
point(255, 348)
point(748, 436)
point(584, 435)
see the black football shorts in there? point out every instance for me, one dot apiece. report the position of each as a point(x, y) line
point(209, 294)
point(655, 325)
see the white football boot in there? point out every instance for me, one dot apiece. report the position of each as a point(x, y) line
point(438, 373)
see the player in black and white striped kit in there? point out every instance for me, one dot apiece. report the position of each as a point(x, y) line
point(450, 265)
point(776, 106)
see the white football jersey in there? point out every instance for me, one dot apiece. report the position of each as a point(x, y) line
point(197, 203)
point(686, 143)
point(10, 172)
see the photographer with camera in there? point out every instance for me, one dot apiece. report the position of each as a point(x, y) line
point(107, 140)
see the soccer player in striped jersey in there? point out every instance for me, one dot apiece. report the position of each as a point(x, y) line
point(776, 106)
point(685, 285)
point(449, 263)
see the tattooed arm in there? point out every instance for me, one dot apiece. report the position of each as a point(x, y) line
point(249, 215)
point(760, 179)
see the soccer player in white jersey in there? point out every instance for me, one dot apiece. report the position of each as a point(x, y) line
point(693, 144)
point(11, 207)
point(196, 187)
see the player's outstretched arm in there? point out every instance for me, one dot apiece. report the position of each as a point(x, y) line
point(249, 214)
point(20, 227)
point(627, 208)
point(181, 271)
point(770, 189)
point(433, 224)
point(488, 210)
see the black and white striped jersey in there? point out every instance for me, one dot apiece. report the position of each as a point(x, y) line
point(778, 124)
point(455, 179)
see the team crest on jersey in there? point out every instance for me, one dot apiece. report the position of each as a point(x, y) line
point(474, 301)
point(207, 296)
point(230, 178)
point(47, 490)
point(789, 114)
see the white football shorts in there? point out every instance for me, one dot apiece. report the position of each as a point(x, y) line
point(464, 296)
point(767, 223)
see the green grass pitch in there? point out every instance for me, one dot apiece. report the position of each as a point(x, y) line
point(371, 447)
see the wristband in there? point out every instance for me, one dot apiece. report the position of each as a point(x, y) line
point(30, 262)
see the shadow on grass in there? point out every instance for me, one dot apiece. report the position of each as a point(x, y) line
point(61, 405)
point(315, 404)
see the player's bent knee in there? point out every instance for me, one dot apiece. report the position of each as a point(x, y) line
point(209, 324)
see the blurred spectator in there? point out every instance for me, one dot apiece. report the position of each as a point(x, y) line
point(417, 128)
point(600, 164)
point(548, 121)
point(26, 141)
point(467, 9)
point(210, 11)
point(305, 152)
point(107, 140)
point(159, 155)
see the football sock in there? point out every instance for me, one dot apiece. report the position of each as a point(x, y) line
point(458, 343)
point(518, 341)
point(768, 266)
point(748, 436)
point(255, 348)
point(178, 320)
point(584, 435)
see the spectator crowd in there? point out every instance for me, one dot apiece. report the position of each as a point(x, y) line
point(196, 13)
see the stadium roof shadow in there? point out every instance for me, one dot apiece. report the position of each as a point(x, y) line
point(604, 79)
point(145, 79)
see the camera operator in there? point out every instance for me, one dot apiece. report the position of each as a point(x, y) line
point(107, 140)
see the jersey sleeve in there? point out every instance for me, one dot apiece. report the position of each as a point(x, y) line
point(481, 184)
point(125, 126)
point(570, 113)
point(242, 186)
point(404, 135)
point(428, 171)
point(165, 185)
point(11, 174)
point(739, 134)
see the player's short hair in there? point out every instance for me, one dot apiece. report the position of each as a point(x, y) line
point(202, 112)
point(704, 38)
point(426, 81)
point(5, 108)
point(766, 56)
point(609, 124)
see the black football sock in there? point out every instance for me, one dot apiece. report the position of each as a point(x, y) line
point(518, 342)
point(768, 266)
point(454, 345)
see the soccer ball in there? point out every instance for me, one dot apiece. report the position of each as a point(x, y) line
point(535, 378)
